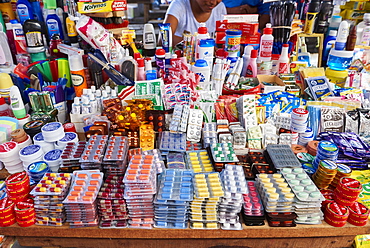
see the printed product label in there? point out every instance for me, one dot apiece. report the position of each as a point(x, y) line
point(77, 79)
point(7, 146)
point(22, 11)
point(31, 149)
point(53, 27)
point(283, 68)
point(34, 39)
point(20, 41)
point(51, 126)
point(233, 44)
point(68, 137)
point(38, 137)
point(266, 48)
point(53, 155)
point(38, 167)
point(365, 36)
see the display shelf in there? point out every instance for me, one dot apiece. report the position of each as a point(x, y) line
point(301, 236)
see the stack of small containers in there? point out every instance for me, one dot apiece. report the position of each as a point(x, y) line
point(80, 203)
point(207, 195)
point(326, 150)
point(235, 186)
point(30, 154)
point(48, 195)
point(112, 207)
point(173, 197)
point(308, 197)
point(277, 198)
point(9, 155)
point(140, 186)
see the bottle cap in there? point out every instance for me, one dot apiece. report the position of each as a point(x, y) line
point(333, 32)
point(69, 127)
point(91, 97)
point(268, 29)
point(254, 54)
point(336, 19)
point(93, 89)
point(202, 29)
point(233, 32)
point(140, 62)
point(76, 100)
point(6, 81)
point(137, 56)
point(201, 63)
point(98, 92)
point(30, 153)
point(367, 16)
point(160, 52)
point(107, 89)
point(207, 43)
point(221, 53)
point(75, 63)
point(113, 93)
point(285, 45)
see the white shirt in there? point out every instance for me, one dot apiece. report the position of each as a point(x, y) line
point(181, 9)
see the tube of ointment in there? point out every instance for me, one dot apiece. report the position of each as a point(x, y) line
point(164, 30)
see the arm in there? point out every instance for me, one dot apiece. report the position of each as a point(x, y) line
point(242, 9)
point(262, 20)
point(174, 22)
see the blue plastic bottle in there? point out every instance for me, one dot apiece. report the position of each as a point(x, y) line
point(54, 24)
point(24, 10)
point(37, 12)
point(328, 43)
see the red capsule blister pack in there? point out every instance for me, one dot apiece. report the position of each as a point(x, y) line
point(94, 151)
point(115, 157)
point(157, 118)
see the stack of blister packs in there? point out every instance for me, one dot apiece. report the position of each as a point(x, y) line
point(140, 186)
point(175, 191)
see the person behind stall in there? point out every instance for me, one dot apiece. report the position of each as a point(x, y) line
point(186, 15)
point(250, 7)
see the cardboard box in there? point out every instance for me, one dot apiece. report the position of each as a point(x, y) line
point(108, 6)
point(245, 39)
point(273, 79)
point(246, 28)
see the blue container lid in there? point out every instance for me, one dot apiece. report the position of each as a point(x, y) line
point(38, 137)
point(69, 136)
point(233, 32)
point(53, 155)
point(31, 149)
point(207, 43)
point(201, 63)
point(52, 126)
point(38, 167)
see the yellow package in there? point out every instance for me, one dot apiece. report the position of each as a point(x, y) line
point(364, 177)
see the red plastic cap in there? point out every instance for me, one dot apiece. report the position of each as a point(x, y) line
point(160, 52)
point(254, 54)
point(267, 31)
point(202, 30)
point(2, 101)
point(140, 62)
point(137, 56)
point(221, 53)
point(285, 45)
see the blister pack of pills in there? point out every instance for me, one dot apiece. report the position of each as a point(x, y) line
point(94, 151)
point(254, 137)
point(175, 142)
point(147, 137)
point(195, 121)
point(282, 156)
point(199, 161)
point(223, 152)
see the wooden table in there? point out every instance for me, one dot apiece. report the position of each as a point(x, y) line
point(308, 236)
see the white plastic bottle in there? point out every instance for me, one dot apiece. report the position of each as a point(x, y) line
point(202, 69)
point(343, 31)
point(202, 34)
point(246, 58)
point(283, 64)
point(93, 104)
point(16, 103)
point(86, 108)
point(267, 41)
point(363, 31)
point(104, 96)
point(98, 99)
point(76, 106)
point(113, 93)
point(252, 66)
point(4, 107)
point(6, 59)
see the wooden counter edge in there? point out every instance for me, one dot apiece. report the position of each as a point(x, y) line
point(323, 230)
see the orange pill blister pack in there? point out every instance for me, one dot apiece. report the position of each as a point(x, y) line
point(85, 186)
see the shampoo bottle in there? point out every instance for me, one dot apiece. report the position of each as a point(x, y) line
point(16, 103)
point(267, 41)
point(283, 64)
point(6, 59)
point(24, 10)
point(343, 32)
point(33, 32)
point(246, 58)
point(54, 24)
point(328, 44)
point(149, 40)
point(252, 65)
point(77, 73)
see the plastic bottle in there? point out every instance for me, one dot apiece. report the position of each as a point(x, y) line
point(19, 38)
point(149, 40)
point(334, 23)
point(10, 37)
point(76, 106)
point(140, 69)
point(201, 68)
point(267, 40)
point(71, 31)
point(93, 103)
point(54, 24)
point(104, 96)
point(98, 100)
point(283, 64)
point(303, 55)
point(4, 108)
point(246, 58)
point(6, 59)
point(252, 65)
point(351, 40)
point(313, 11)
point(343, 32)
point(54, 51)
point(16, 103)
point(37, 11)
point(93, 89)
point(24, 11)
point(365, 37)
point(202, 34)
point(150, 74)
point(206, 51)
point(77, 74)
point(160, 56)
point(361, 26)
point(33, 32)
point(113, 94)
point(86, 108)
point(326, 10)
point(328, 44)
